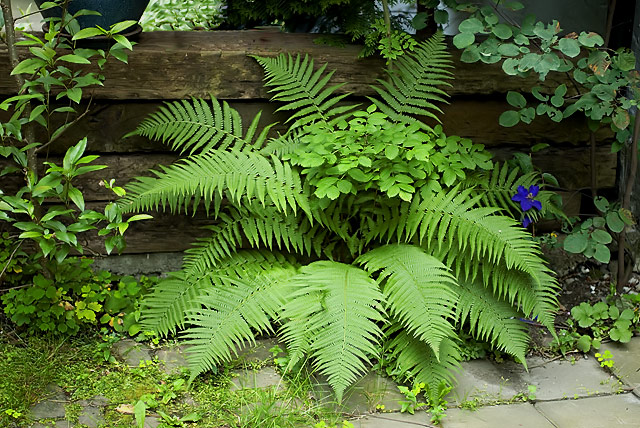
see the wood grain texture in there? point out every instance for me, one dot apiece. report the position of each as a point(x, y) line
point(177, 65)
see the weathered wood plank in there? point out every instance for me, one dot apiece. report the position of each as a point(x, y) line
point(108, 122)
point(177, 65)
point(569, 164)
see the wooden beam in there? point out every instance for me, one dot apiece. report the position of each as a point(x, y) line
point(178, 65)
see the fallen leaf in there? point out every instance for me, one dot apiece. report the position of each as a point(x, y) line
point(126, 409)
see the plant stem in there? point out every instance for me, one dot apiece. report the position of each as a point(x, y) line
point(387, 26)
point(593, 166)
point(626, 203)
point(9, 24)
point(610, 12)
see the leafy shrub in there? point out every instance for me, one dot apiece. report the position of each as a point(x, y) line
point(365, 227)
point(74, 297)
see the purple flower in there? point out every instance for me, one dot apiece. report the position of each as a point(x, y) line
point(526, 221)
point(525, 197)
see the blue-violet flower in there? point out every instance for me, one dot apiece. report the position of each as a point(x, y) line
point(525, 197)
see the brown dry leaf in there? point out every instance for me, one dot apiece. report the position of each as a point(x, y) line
point(125, 409)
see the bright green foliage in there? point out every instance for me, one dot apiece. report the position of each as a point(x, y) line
point(303, 90)
point(592, 236)
point(485, 312)
point(338, 305)
point(180, 15)
point(496, 187)
point(600, 73)
point(413, 86)
point(197, 126)
point(74, 297)
point(370, 188)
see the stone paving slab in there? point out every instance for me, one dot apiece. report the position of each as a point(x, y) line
point(596, 412)
point(486, 382)
point(626, 357)
point(258, 352)
point(131, 352)
point(394, 420)
point(362, 397)
point(173, 360)
point(263, 378)
point(522, 415)
point(561, 379)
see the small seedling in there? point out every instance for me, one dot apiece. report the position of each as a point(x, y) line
point(606, 359)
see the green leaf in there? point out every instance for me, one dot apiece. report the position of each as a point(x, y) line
point(569, 47)
point(601, 236)
point(516, 99)
point(139, 217)
point(28, 66)
point(575, 243)
point(590, 39)
point(502, 31)
point(140, 411)
point(463, 40)
point(508, 49)
point(391, 151)
point(75, 59)
point(85, 33)
point(471, 25)
point(122, 26)
point(123, 41)
point(470, 54)
point(441, 16)
point(614, 222)
point(509, 118)
point(602, 254)
point(584, 343)
point(76, 197)
point(601, 203)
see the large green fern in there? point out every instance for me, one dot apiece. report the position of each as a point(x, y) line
point(443, 261)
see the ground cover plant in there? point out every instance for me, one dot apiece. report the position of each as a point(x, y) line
point(364, 227)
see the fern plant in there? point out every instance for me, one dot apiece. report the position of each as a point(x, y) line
point(364, 228)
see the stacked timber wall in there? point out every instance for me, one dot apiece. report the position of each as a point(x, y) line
point(168, 66)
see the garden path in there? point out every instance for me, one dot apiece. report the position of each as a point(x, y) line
point(553, 393)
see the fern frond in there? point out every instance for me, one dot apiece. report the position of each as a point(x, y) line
point(231, 314)
point(207, 177)
point(199, 126)
point(413, 86)
point(165, 308)
point(419, 291)
point(342, 329)
point(496, 187)
point(416, 360)
point(492, 320)
point(303, 91)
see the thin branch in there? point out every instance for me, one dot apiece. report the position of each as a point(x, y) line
point(69, 125)
point(6, 266)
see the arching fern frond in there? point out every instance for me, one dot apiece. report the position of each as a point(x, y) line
point(413, 87)
point(230, 316)
point(199, 126)
point(233, 174)
point(304, 92)
point(419, 291)
point(492, 320)
point(416, 361)
point(260, 227)
point(497, 186)
point(165, 309)
point(342, 329)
